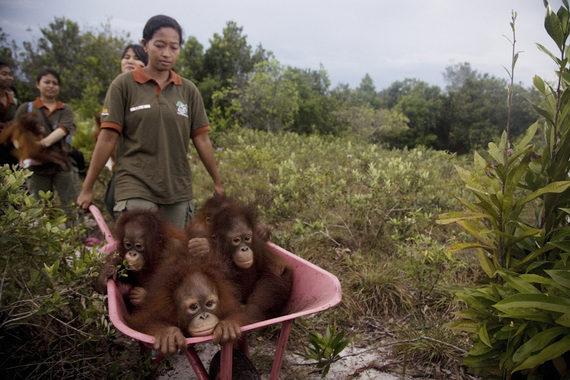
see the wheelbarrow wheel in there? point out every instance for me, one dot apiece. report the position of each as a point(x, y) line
point(242, 367)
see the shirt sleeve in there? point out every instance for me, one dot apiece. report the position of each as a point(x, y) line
point(199, 120)
point(66, 120)
point(114, 106)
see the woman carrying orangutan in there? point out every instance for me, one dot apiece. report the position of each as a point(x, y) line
point(58, 126)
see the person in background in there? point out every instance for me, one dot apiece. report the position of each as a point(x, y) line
point(8, 106)
point(152, 113)
point(57, 120)
point(133, 57)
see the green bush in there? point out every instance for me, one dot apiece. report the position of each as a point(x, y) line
point(518, 217)
point(53, 325)
point(359, 211)
point(364, 213)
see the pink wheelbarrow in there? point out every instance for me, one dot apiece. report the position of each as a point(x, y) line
point(314, 290)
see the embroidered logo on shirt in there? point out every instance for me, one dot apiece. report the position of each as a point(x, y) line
point(141, 107)
point(182, 108)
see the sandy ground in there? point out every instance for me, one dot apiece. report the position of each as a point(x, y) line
point(358, 364)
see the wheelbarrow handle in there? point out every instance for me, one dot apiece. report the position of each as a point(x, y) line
point(101, 223)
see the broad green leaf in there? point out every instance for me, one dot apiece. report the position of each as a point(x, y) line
point(489, 293)
point(495, 152)
point(554, 187)
point(561, 277)
point(515, 175)
point(564, 320)
point(538, 342)
point(466, 326)
point(484, 336)
point(452, 217)
point(479, 349)
point(497, 199)
point(486, 263)
point(536, 301)
point(553, 27)
point(473, 302)
point(544, 113)
point(559, 237)
point(563, 245)
point(511, 239)
point(469, 179)
point(519, 284)
point(530, 133)
point(487, 360)
point(490, 209)
point(476, 233)
point(468, 205)
point(521, 328)
point(539, 84)
point(535, 278)
point(469, 314)
point(551, 352)
point(533, 255)
point(461, 246)
point(529, 314)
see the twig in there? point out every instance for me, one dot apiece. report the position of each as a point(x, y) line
point(326, 232)
point(373, 365)
point(409, 341)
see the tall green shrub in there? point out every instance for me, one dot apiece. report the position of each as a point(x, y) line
point(517, 214)
point(52, 323)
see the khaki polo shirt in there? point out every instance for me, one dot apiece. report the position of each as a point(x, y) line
point(155, 128)
point(61, 117)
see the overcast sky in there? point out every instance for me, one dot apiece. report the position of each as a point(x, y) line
point(388, 39)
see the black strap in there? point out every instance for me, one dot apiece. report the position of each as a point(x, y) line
point(48, 121)
point(50, 125)
point(43, 112)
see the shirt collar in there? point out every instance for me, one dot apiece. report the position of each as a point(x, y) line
point(39, 104)
point(142, 77)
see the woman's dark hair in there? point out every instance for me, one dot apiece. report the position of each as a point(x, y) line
point(45, 72)
point(160, 21)
point(4, 64)
point(139, 52)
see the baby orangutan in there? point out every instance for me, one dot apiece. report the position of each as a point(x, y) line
point(145, 239)
point(186, 298)
point(263, 279)
point(25, 135)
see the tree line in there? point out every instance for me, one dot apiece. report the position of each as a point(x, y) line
point(247, 87)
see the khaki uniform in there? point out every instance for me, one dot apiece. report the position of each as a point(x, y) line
point(155, 128)
point(50, 176)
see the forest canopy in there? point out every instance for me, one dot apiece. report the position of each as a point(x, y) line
point(247, 87)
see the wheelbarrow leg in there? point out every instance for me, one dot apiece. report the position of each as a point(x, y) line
point(281, 346)
point(242, 344)
point(226, 361)
point(196, 363)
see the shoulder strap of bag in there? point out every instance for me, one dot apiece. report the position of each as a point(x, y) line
point(43, 112)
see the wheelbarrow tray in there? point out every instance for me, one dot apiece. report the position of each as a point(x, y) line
point(313, 290)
